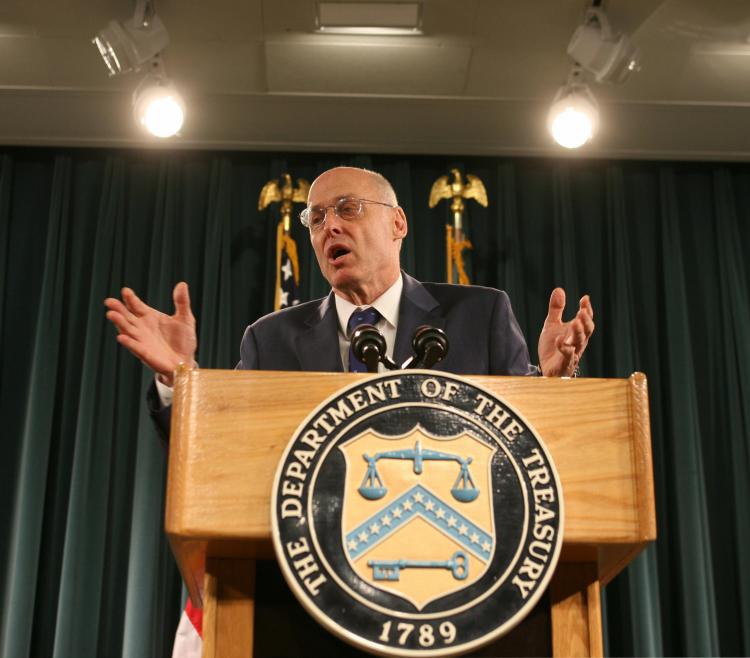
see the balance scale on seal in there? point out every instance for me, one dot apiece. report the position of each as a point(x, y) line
point(463, 490)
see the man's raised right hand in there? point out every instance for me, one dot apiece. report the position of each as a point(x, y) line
point(161, 341)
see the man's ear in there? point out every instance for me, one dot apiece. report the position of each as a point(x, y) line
point(400, 225)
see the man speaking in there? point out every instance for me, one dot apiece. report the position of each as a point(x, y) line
point(356, 229)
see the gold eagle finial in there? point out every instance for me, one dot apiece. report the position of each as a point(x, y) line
point(458, 190)
point(456, 241)
point(283, 191)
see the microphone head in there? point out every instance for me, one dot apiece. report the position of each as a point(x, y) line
point(430, 346)
point(425, 335)
point(366, 337)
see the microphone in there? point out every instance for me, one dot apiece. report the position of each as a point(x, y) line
point(430, 346)
point(368, 345)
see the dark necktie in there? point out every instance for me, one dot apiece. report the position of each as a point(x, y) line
point(360, 316)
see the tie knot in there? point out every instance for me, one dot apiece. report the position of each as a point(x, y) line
point(362, 316)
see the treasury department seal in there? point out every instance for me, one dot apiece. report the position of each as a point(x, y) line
point(415, 513)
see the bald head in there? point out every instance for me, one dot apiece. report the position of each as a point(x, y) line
point(376, 181)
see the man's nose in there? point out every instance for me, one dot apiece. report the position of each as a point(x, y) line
point(331, 220)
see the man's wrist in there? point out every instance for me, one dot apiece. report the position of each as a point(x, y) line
point(163, 391)
point(537, 370)
point(166, 380)
point(165, 385)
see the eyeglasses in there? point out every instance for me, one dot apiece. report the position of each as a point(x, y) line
point(346, 208)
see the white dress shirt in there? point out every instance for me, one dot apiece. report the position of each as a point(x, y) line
point(387, 305)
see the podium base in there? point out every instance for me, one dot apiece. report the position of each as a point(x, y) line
point(565, 622)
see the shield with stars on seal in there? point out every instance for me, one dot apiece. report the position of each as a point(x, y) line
point(416, 513)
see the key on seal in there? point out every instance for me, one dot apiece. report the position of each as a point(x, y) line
point(391, 569)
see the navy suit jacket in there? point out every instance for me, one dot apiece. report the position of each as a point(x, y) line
point(485, 338)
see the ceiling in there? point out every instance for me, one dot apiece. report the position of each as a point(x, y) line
point(479, 81)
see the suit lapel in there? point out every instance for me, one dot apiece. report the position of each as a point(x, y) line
point(317, 348)
point(417, 307)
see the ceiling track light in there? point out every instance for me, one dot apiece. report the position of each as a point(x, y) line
point(573, 118)
point(127, 46)
point(608, 55)
point(157, 105)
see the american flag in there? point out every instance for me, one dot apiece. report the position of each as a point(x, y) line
point(287, 270)
point(188, 641)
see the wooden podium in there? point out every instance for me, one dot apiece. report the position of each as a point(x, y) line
point(229, 429)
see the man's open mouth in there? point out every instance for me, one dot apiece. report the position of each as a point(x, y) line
point(337, 252)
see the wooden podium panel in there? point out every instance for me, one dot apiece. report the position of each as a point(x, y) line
point(229, 429)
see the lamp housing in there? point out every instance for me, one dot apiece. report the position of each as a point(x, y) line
point(609, 56)
point(126, 46)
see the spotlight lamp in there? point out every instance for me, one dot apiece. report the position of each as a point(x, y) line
point(157, 105)
point(609, 56)
point(573, 118)
point(127, 46)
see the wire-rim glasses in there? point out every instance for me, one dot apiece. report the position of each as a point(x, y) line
point(347, 208)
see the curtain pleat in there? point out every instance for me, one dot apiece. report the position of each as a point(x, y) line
point(639, 591)
point(694, 578)
point(148, 554)
point(215, 330)
point(83, 576)
point(86, 569)
point(510, 243)
point(6, 176)
point(563, 238)
point(39, 426)
point(734, 417)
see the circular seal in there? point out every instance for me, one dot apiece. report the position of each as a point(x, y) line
point(416, 513)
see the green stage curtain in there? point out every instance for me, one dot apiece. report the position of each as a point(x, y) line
point(661, 248)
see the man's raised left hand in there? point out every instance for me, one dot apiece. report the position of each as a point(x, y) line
point(561, 344)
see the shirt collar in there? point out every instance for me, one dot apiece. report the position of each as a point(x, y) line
point(387, 305)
